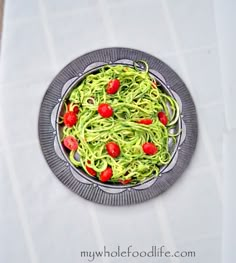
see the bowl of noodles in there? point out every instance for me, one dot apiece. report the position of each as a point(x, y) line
point(119, 124)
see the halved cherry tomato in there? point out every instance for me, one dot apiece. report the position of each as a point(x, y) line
point(105, 110)
point(145, 121)
point(126, 181)
point(70, 143)
point(163, 118)
point(75, 108)
point(150, 148)
point(106, 174)
point(113, 86)
point(90, 170)
point(113, 149)
point(70, 118)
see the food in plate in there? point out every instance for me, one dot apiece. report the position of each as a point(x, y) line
point(117, 124)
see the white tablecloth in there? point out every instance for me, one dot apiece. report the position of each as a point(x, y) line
point(40, 219)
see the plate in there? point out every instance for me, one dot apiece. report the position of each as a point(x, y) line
point(87, 186)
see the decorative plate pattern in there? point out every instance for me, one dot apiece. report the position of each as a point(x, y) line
point(76, 179)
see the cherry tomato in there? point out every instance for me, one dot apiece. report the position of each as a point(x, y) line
point(113, 86)
point(70, 118)
point(105, 110)
point(113, 149)
point(150, 148)
point(106, 174)
point(126, 181)
point(75, 108)
point(163, 118)
point(71, 143)
point(90, 170)
point(145, 121)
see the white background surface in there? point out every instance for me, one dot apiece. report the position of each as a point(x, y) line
point(40, 219)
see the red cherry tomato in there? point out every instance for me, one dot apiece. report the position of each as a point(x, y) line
point(71, 143)
point(90, 170)
point(113, 149)
point(126, 181)
point(149, 148)
point(75, 108)
point(145, 121)
point(113, 86)
point(106, 174)
point(163, 118)
point(70, 118)
point(105, 110)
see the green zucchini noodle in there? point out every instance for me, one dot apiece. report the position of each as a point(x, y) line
point(138, 97)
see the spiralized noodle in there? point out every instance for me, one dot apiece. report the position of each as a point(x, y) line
point(139, 97)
